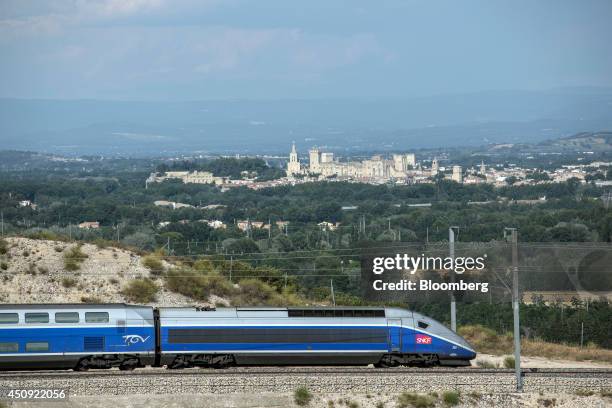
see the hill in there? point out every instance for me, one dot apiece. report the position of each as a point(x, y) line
point(77, 127)
point(590, 141)
point(37, 271)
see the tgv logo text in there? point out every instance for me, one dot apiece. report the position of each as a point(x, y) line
point(134, 338)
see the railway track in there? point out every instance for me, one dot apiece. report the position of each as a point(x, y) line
point(279, 371)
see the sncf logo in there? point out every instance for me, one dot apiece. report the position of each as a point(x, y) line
point(423, 339)
point(134, 338)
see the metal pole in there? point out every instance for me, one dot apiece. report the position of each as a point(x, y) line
point(332, 292)
point(453, 303)
point(515, 309)
point(231, 266)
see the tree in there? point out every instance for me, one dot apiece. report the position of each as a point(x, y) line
point(511, 180)
point(140, 240)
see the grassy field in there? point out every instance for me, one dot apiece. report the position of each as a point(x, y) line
point(488, 341)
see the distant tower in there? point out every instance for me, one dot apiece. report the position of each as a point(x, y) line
point(457, 174)
point(327, 157)
point(293, 167)
point(434, 166)
point(410, 159)
point(399, 163)
point(483, 169)
point(314, 160)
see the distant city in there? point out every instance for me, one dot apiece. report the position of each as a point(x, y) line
point(396, 168)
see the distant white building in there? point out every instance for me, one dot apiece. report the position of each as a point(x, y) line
point(214, 224)
point(174, 205)
point(187, 177)
point(375, 169)
point(89, 225)
point(330, 226)
point(293, 167)
point(457, 174)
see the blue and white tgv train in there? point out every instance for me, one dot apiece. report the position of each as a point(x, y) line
point(301, 336)
point(76, 336)
point(82, 336)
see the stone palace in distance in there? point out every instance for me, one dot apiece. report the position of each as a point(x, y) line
point(323, 165)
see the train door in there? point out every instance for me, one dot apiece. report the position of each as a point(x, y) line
point(118, 339)
point(408, 335)
point(395, 335)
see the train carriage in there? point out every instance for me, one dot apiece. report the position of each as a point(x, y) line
point(79, 336)
point(294, 336)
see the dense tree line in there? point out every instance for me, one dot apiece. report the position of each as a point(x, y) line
point(235, 168)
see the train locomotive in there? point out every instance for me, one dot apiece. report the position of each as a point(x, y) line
point(84, 336)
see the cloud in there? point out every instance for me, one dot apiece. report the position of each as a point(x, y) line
point(114, 8)
point(24, 19)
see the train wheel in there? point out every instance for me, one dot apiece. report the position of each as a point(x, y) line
point(82, 366)
point(127, 367)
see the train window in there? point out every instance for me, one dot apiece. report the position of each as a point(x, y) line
point(8, 318)
point(336, 312)
point(422, 325)
point(67, 317)
point(322, 335)
point(37, 317)
point(9, 347)
point(37, 346)
point(295, 313)
point(96, 317)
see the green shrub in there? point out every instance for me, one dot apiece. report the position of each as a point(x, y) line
point(486, 364)
point(31, 269)
point(197, 285)
point(3, 247)
point(73, 258)
point(43, 270)
point(141, 290)
point(352, 404)
point(546, 402)
point(4, 266)
point(475, 395)
point(253, 292)
point(606, 393)
point(90, 299)
point(582, 392)
point(68, 282)
point(408, 399)
point(154, 264)
point(302, 396)
point(380, 404)
point(58, 248)
point(43, 234)
point(450, 398)
point(509, 362)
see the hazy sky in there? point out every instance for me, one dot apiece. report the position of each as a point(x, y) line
point(202, 49)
